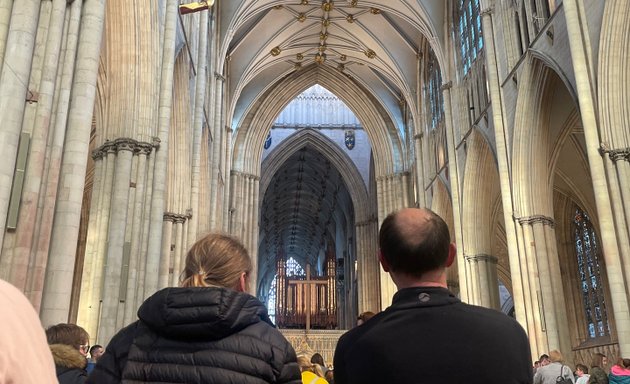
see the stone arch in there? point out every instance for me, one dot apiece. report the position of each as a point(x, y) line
point(379, 126)
point(481, 190)
point(534, 141)
point(442, 205)
point(332, 152)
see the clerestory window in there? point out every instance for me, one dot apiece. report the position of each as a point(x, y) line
point(468, 32)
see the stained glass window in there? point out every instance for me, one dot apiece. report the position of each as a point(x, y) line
point(293, 268)
point(468, 32)
point(271, 301)
point(433, 90)
point(590, 275)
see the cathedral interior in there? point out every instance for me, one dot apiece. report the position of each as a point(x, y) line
point(132, 128)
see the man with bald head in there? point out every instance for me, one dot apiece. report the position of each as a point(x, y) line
point(428, 335)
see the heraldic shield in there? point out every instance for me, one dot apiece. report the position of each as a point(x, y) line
point(349, 139)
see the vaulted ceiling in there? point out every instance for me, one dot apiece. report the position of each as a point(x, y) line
point(377, 44)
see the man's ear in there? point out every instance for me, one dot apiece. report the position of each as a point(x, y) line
point(243, 282)
point(452, 253)
point(382, 260)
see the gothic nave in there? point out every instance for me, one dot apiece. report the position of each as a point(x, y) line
point(131, 128)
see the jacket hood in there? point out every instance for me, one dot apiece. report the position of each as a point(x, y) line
point(66, 356)
point(208, 313)
point(619, 371)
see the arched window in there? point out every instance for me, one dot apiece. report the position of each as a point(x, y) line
point(294, 268)
point(590, 275)
point(433, 91)
point(271, 301)
point(468, 32)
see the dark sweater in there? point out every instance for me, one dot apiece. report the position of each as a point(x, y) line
point(430, 336)
point(199, 335)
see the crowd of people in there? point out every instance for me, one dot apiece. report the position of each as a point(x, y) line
point(210, 330)
point(551, 369)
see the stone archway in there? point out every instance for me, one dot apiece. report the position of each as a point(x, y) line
point(481, 190)
point(387, 147)
point(364, 218)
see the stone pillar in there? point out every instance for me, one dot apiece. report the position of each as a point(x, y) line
point(60, 269)
point(518, 290)
point(586, 89)
point(388, 202)
point(198, 125)
point(111, 295)
point(153, 266)
point(50, 183)
point(136, 256)
point(369, 267)
point(485, 285)
point(179, 245)
point(165, 259)
point(215, 189)
point(26, 230)
point(540, 235)
point(453, 171)
point(14, 78)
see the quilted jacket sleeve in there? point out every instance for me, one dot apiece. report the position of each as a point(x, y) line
point(110, 366)
point(290, 372)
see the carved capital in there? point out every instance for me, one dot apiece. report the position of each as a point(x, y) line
point(531, 220)
point(143, 148)
point(97, 154)
point(487, 12)
point(615, 154)
point(125, 144)
point(447, 86)
point(219, 77)
point(174, 218)
point(482, 257)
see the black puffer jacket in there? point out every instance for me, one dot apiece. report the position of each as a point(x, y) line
point(199, 335)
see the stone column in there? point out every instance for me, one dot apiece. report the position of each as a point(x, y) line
point(539, 233)
point(136, 256)
point(14, 78)
point(390, 201)
point(108, 324)
point(48, 195)
point(153, 267)
point(485, 286)
point(25, 233)
point(518, 291)
point(617, 163)
point(58, 283)
point(198, 125)
point(369, 267)
point(453, 171)
point(165, 259)
point(586, 89)
point(216, 156)
point(179, 245)
point(90, 299)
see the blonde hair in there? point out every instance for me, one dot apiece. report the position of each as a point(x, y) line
point(555, 356)
point(305, 365)
point(215, 260)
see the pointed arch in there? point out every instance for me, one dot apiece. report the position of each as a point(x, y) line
point(379, 126)
point(325, 146)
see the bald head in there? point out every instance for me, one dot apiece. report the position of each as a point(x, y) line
point(414, 241)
